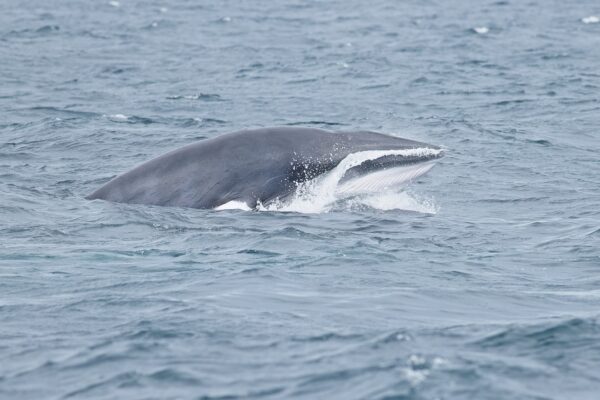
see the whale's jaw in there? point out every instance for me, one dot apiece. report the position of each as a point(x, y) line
point(383, 179)
point(384, 170)
point(359, 174)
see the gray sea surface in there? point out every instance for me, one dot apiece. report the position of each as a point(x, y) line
point(493, 294)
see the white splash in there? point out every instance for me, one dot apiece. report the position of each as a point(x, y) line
point(397, 200)
point(234, 205)
point(482, 30)
point(592, 19)
point(380, 189)
point(419, 368)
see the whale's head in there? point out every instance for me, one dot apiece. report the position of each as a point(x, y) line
point(374, 171)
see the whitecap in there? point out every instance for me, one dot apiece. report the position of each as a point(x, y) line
point(118, 117)
point(482, 30)
point(592, 19)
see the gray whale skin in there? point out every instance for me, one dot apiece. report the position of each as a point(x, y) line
point(250, 166)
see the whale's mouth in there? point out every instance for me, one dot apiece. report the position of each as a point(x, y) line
point(382, 179)
point(363, 174)
point(382, 169)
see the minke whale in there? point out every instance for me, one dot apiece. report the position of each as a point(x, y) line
point(260, 166)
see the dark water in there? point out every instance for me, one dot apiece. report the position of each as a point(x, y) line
point(494, 296)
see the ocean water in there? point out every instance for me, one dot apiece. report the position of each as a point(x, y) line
point(481, 280)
